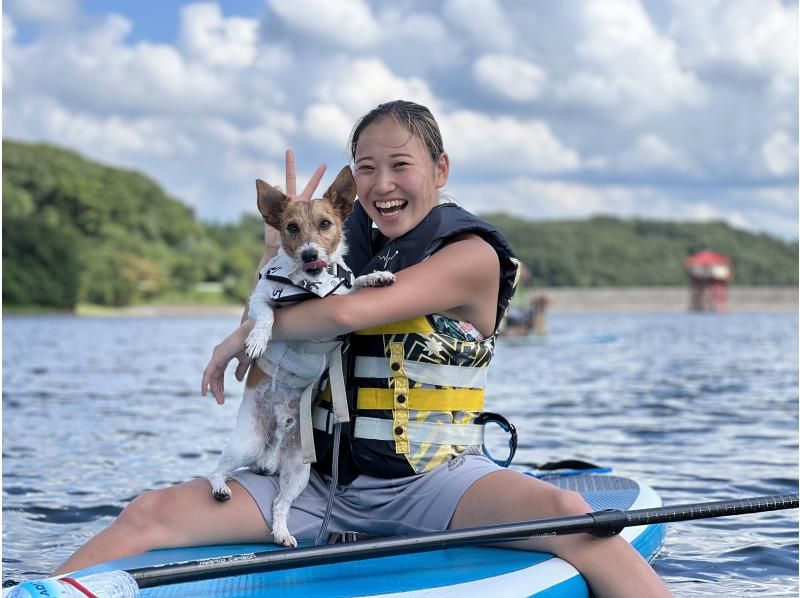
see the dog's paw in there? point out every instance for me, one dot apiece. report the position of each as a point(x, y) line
point(256, 342)
point(219, 489)
point(376, 279)
point(284, 538)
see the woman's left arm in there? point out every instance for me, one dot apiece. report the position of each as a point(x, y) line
point(461, 280)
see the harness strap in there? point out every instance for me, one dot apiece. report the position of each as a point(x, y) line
point(306, 425)
point(336, 379)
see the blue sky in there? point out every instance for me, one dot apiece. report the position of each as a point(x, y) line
point(669, 109)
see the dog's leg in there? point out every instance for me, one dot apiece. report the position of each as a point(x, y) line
point(243, 447)
point(380, 278)
point(281, 422)
point(261, 312)
point(293, 479)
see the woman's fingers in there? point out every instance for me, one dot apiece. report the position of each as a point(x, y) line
point(291, 179)
point(214, 374)
point(308, 192)
point(291, 174)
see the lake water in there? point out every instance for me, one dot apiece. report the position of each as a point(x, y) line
point(701, 407)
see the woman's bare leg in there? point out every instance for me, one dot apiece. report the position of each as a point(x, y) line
point(610, 565)
point(182, 515)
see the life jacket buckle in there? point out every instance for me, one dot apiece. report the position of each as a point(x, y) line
point(495, 418)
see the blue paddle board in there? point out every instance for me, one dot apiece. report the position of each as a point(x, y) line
point(452, 572)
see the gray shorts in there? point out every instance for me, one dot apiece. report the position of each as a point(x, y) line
point(383, 507)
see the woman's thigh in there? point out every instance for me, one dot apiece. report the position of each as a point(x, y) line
point(187, 515)
point(505, 496)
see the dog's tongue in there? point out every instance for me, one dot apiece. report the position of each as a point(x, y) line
point(315, 265)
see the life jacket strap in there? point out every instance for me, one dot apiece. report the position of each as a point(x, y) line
point(374, 428)
point(425, 373)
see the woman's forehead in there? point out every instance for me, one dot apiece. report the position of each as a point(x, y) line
point(386, 136)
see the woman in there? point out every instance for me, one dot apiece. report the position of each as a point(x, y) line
point(454, 279)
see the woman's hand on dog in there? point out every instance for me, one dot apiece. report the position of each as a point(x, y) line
point(232, 347)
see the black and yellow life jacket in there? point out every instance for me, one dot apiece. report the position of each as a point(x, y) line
point(415, 386)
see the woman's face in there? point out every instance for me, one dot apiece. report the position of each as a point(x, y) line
point(395, 177)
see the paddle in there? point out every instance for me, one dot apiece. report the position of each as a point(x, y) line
point(602, 523)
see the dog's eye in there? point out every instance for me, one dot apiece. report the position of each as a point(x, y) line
point(292, 228)
point(325, 224)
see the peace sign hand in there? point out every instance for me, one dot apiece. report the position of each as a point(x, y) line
point(271, 236)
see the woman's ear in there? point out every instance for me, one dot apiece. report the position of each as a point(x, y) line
point(442, 170)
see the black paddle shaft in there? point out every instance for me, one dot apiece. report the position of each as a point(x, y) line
point(600, 523)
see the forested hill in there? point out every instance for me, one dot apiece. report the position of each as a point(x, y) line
point(604, 251)
point(78, 231)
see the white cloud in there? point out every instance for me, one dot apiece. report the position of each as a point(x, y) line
point(43, 11)
point(484, 20)
point(358, 86)
point(208, 37)
point(504, 144)
point(570, 92)
point(9, 32)
point(651, 153)
point(626, 65)
point(756, 38)
point(509, 77)
point(348, 23)
point(780, 154)
point(327, 122)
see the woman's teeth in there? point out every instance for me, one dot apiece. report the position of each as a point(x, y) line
point(387, 208)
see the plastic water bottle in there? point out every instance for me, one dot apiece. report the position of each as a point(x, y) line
point(109, 584)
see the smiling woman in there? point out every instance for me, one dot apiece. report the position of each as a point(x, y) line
point(418, 352)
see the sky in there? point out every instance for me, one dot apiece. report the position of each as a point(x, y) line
point(666, 109)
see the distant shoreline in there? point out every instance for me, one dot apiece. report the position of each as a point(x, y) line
point(663, 299)
point(741, 299)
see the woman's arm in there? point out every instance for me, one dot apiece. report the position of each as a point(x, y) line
point(461, 280)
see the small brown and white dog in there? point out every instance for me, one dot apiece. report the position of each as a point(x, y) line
point(309, 263)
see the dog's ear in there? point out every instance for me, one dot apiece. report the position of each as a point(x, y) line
point(271, 203)
point(342, 192)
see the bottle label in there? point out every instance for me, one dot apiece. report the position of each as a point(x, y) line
point(40, 587)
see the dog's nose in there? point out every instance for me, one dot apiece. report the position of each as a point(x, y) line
point(309, 255)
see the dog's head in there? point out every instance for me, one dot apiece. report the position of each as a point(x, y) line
point(312, 232)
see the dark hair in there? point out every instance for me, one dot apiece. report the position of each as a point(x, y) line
point(414, 118)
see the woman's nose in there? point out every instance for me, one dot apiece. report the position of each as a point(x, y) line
point(384, 181)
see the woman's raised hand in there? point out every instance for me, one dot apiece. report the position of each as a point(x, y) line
point(271, 236)
point(291, 179)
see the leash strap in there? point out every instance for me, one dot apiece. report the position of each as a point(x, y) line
point(336, 379)
point(339, 401)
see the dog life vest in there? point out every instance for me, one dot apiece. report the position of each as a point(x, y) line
point(417, 386)
point(300, 364)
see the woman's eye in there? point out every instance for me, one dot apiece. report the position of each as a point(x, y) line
point(400, 164)
point(292, 228)
point(325, 224)
point(364, 168)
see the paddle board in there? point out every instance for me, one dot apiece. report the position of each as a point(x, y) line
point(453, 572)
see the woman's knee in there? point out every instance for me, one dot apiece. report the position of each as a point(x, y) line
point(147, 514)
point(566, 502)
